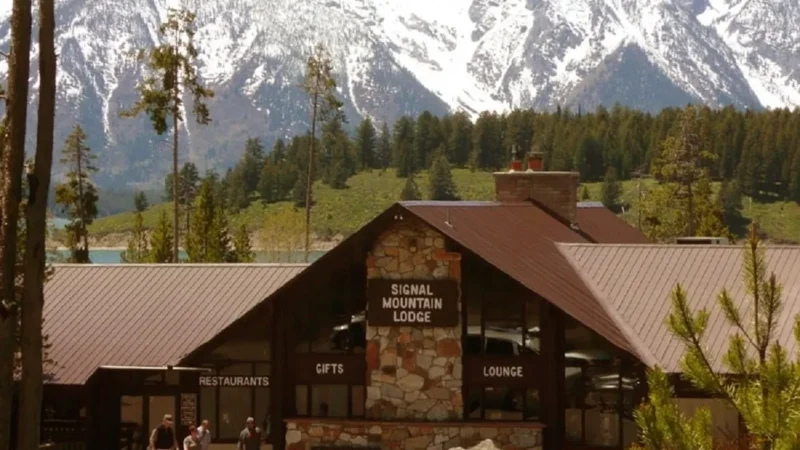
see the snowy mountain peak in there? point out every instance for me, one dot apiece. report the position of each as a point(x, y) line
point(402, 57)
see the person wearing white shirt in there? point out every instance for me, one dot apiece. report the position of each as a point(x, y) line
point(204, 434)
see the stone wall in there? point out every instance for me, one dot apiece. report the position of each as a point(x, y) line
point(415, 373)
point(306, 434)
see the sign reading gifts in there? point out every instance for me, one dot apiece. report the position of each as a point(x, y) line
point(426, 303)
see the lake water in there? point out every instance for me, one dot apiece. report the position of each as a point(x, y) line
point(107, 256)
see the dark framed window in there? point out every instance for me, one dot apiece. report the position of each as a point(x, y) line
point(229, 407)
point(501, 333)
point(602, 389)
point(330, 330)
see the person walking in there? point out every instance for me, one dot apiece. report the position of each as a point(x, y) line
point(163, 436)
point(204, 434)
point(250, 437)
point(191, 442)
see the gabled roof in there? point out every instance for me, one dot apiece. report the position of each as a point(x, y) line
point(605, 227)
point(520, 239)
point(635, 281)
point(146, 314)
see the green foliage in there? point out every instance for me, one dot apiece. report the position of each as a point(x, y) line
point(208, 239)
point(410, 190)
point(140, 202)
point(403, 154)
point(760, 378)
point(683, 204)
point(161, 240)
point(383, 150)
point(137, 251)
point(611, 190)
point(585, 195)
point(662, 425)
point(366, 145)
point(441, 185)
point(173, 72)
point(337, 154)
point(78, 195)
point(243, 249)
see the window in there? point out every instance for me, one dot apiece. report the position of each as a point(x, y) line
point(602, 390)
point(502, 332)
point(229, 407)
point(330, 331)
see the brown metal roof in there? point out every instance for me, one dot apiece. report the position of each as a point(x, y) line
point(519, 239)
point(603, 226)
point(146, 315)
point(636, 282)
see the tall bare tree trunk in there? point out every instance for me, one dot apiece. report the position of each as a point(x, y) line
point(10, 189)
point(175, 180)
point(30, 405)
point(310, 179)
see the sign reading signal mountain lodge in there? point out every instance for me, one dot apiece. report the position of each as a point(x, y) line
point(428, 303)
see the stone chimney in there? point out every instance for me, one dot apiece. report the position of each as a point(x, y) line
point(556, 191)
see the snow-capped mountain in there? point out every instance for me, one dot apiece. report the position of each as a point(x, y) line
point(395, 57)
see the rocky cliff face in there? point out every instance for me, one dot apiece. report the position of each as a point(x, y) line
point(394, 58)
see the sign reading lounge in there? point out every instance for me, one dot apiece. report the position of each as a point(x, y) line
point(428, 303)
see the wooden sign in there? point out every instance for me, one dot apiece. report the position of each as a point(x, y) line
point(331, 369)
point(188, 409)
point(231, 381)
point(508, 370)
point(421, 303)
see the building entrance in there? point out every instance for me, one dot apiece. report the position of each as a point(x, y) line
point(140, 414)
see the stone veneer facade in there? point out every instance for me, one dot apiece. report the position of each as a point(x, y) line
point(414, 399)
point(414, 373)
point(308, 433)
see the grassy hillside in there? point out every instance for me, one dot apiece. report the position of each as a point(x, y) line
point(340, 212)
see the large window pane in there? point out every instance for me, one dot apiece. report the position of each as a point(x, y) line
point(208, 404)
point(235, 403)
point(329, 400)
point(473, 403)
point(359, 397)
point(503, 403)
point(503, 319)
point(532, 331)
point(262, 396)
point(301, 400)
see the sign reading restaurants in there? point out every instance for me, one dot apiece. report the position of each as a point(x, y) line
point(231, 381)
point(426, 303)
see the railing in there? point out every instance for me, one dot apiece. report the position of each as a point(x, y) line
point(63, 435)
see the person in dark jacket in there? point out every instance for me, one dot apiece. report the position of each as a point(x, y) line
point(163, 436)
point(250, 437)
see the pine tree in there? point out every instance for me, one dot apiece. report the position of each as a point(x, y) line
point(405, 159)
point(78, 196)
point(459, 143)
point(611, 190)
point(410, 190)
point(137, 251)
point(161, 240)
point(140, 202)
point(663, 426)
point(441, 182)
point(365, 145)
point(172, 75)
point(760, 378)
point(188, 183)
point(208, 241)
point(383, 150)
point(339, 163)
point(299, 197)
point(321, 87)
point(243, 249)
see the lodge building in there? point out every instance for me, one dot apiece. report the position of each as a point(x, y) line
point(529, 320)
